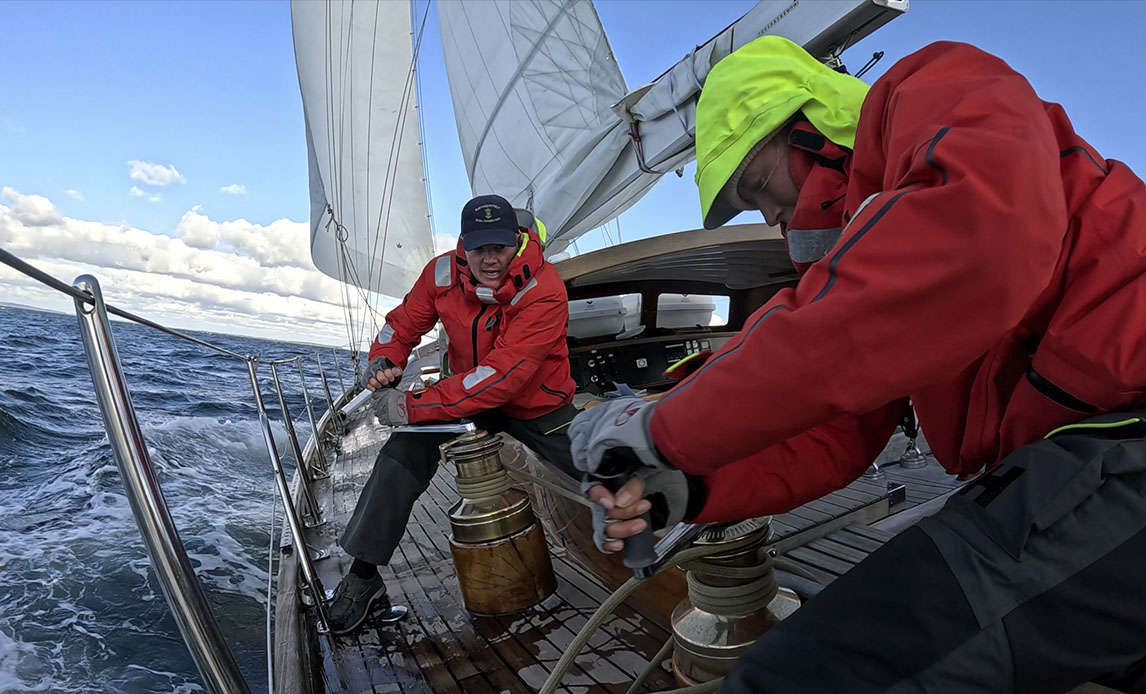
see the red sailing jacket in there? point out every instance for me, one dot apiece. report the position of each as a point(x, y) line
point(507, 347)
point(991, 267)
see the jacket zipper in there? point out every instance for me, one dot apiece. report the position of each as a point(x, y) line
point(474, 333)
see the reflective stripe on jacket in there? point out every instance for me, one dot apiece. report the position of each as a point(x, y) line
point(991, 267)
point(506, 346)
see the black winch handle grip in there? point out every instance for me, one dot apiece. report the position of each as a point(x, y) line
point(640, 549)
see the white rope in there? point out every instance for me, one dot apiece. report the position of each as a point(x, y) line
point(562, 491)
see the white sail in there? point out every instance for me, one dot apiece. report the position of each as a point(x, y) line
point(369, 222)
point(544, 116)
point(532, 82)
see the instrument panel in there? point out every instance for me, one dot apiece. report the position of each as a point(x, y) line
point(638, 363)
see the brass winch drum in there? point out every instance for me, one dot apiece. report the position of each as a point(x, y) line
point(732, 600)
point(498, 546)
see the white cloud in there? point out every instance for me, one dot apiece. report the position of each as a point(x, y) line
point(75, 194)
point(280, 243)
point(30, 210)
point(135, 192)
point(153, 198)
point(231, 276)
point(152, 174)
point(234, 189)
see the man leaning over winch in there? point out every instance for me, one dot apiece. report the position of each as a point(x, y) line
point(505, 312)
point(962, 247)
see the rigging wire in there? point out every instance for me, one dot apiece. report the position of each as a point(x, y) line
point(44, 278)
point(422, 142)
point(349, 270)
point(346, 296)
point(875, 58)
point(396, 149)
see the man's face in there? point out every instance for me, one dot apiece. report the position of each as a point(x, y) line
point(767, 184)
point(490, 263)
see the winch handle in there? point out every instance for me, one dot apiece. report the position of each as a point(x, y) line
point(360, 399)
point(640, 552)
point(617, 466)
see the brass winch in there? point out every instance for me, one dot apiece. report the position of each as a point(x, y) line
point(498, 546)
point(732, 600)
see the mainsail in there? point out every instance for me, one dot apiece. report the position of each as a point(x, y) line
point(368, 212)
point(544, 116)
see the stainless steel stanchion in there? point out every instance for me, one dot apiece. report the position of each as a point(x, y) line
point(305, 480)
point(317, 593)
point(169, 560)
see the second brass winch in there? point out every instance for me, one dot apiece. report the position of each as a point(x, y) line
point(732, 600)
point(498, 546)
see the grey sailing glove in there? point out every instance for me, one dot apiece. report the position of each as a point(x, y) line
point(620, 423)
point(600, 522)
point(666, 490)
point(376, 365)
point(389, 405)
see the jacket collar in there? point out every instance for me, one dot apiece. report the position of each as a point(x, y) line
point(518, 279)
point(817, 221)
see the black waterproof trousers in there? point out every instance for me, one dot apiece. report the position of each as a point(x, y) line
point(1032, 579)
point(407, 463)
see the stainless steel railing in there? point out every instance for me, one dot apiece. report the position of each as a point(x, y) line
point(304, 559)
point(177, 579)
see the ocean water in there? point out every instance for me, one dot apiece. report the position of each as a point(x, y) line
point(79, 608)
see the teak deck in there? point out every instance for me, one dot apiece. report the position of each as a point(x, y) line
point(440, 647)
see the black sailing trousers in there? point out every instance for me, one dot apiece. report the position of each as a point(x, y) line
point(407, 463)
point(1032, 579)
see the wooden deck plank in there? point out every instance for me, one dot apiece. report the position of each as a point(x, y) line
point(831, 547)
point(858, 542)
point(822, 577)
point(826, 562)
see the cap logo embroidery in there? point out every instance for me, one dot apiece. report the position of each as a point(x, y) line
point(485, 214)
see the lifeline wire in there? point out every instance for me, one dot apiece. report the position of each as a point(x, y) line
point(44, 278)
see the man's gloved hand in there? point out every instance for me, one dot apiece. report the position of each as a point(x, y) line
point(379, 373)
point(389, 405)
point(664, 493)
point(616, 424)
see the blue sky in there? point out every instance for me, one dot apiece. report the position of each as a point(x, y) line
point(209, 90)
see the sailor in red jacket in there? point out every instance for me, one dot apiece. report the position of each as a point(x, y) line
point(505, 312)
point(962, 248)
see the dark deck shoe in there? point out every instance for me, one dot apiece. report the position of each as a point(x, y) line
point(352, 600)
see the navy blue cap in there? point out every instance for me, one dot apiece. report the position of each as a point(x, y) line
point(488, 220)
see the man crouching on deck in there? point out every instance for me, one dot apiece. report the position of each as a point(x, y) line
point(505, 312)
